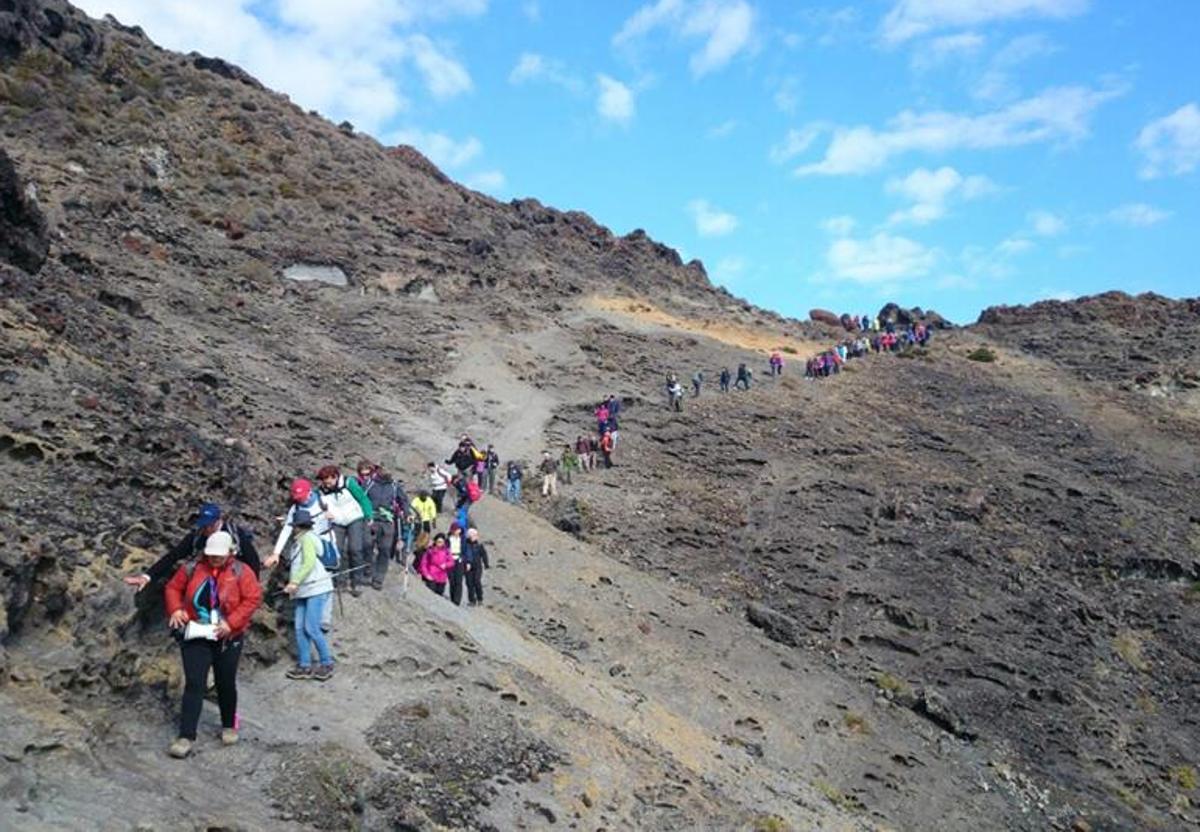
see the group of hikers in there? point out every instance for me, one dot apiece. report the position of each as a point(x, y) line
point(339, 531)
point(343, 531)
point(872, 336)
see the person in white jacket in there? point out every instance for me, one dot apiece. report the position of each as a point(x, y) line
point(347, 508)
point(305, 500)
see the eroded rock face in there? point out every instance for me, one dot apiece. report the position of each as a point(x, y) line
point(24, 238)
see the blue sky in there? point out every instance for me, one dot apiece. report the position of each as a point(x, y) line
point(951, 154)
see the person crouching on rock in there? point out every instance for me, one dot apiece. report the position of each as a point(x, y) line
point(209, 603)
point(436, 564)
point(310, 586)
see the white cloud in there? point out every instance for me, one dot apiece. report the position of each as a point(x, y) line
point(787, 96)
point(996, 263)
point(839, 226)
point(489, 181)
point(615, 100)
point(723, 129)
point(1060, 114)
point(726, 26)
point(941, 49)
point(442, 150)
point(1170, 146)
point(879, 259)
point(912, 18)
point(532, 67)
point(341, 64)
point(1046, 224)
point(444, 76)
point(1014, 246)
point(997, 82)
point(729, 269)
point(532, 11)
point(931, 190)
point(711, 222)
point(795, 143)
point(1138, 215)
point(1063, 295)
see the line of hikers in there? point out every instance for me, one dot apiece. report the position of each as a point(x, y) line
point(338, 531)
point(829, 362)
point(587, 453)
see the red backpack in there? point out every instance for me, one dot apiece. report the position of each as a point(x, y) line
point(474, 492)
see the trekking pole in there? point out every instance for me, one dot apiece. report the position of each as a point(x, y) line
point(331, 575)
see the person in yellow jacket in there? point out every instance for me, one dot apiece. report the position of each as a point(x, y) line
point(426, 511)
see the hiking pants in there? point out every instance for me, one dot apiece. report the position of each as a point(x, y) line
point(566, 476)
point(380, 542)
point(435, 588)
point(607, 459)
point(491, 480)
point(199, 655)
point(408, 532)
point(309, 612)
point(513, 494)
point(456, 582)
point(475, 583)
point(677, 403)
point(695, 389)
point(550, 484)
point(725, 386)
point(351, 541)
point(438, 495)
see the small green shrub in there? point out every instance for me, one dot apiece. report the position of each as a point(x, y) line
point(1184, 777)
point(890, 683)
point(789, 350)
point(981, 354)
point(1128, 645)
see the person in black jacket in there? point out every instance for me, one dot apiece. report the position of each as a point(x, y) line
point(209, 520)
point(474, 561)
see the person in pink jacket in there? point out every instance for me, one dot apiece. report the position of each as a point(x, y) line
point(436, 564)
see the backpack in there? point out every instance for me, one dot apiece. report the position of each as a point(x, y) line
point(477, 455)
point(474, 492)
point(328, 554)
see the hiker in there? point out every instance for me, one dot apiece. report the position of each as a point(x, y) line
point(209, 602)
point(606, 448)
point(209, 520)
point(602, 413)
point(455, 541)
point(439, 480)
point(311, 589)
point(464, 456)
point(435, 565)
point(724, 379)
point(549, 469)
point(776, 363)
point(409, 523)
point(461, 495)
point(582, 449)
point(474, 560)
point(569, 462)
point(593, 450)
point(426, 511)
point(380, 536)
point(303, 497)
point(743, 376)
point(614, 405)
point(491, 465)
point(348, 509)
point(697, 380)
point(675, 396)
point(513, 477)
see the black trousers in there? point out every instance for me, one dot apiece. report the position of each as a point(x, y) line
point(434, 587)
point(456, 582)
point(199, 655)
point(381, 540)
point(438, 495)
point(475, 583)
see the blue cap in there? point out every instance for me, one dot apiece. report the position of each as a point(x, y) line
point(209, 514)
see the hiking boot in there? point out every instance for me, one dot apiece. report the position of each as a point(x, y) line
point(181, 748)
point(323, 673)
point(298, 672)
point(356, 591)
point(229, 736)
point(376, 585)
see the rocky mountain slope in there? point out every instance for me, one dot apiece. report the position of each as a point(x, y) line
point(931, 593)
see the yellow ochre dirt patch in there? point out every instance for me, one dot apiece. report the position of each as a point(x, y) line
point(751, 338)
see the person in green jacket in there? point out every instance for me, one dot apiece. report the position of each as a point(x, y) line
point(570, 462)
point(311, 588)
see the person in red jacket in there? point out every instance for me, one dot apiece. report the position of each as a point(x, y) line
point(209, 603)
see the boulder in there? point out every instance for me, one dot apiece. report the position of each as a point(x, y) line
point(776, 625)
point(824, 316)
point(24, 240)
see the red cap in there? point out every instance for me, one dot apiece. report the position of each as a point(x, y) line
point(301, 489)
